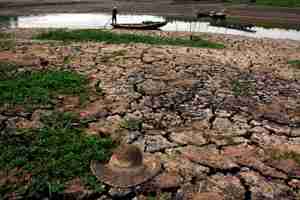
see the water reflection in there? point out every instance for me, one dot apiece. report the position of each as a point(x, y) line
point(95, 20)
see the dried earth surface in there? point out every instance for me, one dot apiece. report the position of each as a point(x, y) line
point(225, 123)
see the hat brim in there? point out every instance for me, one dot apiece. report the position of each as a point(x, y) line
point(123, 179)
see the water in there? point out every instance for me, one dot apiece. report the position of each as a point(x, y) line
point(95, 20)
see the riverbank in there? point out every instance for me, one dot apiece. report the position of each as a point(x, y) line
point(223, 122)
point(246, 12)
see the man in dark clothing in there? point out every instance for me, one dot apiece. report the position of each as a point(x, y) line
point(114, 15)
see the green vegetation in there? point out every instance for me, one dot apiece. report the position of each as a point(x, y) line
point(114, 38)
point(242, 87)
point(132, 124)
point(114, 56)
point(7, 70)
point(38, 163)
point(99, 88)
point(151, 198)
point(276, 3)
point(31, 88)
point(50, 156)
point(280, 3)
point(160, 196)
point(4, 35)
point(7, 45)
point(294, 63)
point(7, 41)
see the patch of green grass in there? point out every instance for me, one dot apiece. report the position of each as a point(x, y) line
point(242, 87)
point(52, 155)
point(113, 56)
point(4, 35)
point(275, 3)
point(132, 124)
point(151, 198)
point(7, 69)
point(294, 63)
point(7, 45)
point(7, 41)
point(160, 196)
point(279, 3)
point(119, 53)
point(31, 88)
point(67, 60)
point(114, 38)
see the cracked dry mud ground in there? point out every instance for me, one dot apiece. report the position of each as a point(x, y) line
point(225, 123)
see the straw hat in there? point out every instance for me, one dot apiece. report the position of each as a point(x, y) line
point(126, 168)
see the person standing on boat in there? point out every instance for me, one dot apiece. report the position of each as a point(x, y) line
point(114, 15)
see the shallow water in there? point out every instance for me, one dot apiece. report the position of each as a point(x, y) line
point(95, 20)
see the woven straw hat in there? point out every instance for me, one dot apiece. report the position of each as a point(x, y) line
point(126, 168)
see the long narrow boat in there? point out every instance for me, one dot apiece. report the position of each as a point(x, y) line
point(143, 26)
point(240, 27)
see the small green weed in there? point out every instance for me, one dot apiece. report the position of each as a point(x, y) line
point(92, 182)
point(52, 155)
point(114, 38)
point(7, 41)
point(38, 87)
point(119, 53)
point(279, 3)
point(242, 87)
point(4, 35)
point(67, 60)
point(151, 198)
point(114, 56)
point(132, 124)
point(7, 70)
point(275, 3)
point(99, 88)
point(294, 63)
point(7, 45)
point(160, 196)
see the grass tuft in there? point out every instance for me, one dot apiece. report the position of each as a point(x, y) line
point(38, 87)
point(4, 35)
point(7, 45)
point(51, 156)
point(294, 63)
point(242, 87)
point(132, 124)
point(279, 3)
point(273, 3)
point(7, 41)
point(114, 38)
point(7, 69)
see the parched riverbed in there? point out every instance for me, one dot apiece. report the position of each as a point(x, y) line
point(225, 123)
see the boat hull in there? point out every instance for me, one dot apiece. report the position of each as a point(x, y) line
point(142, 26)
point(239, 27)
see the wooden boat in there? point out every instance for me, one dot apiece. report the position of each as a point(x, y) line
point(143, 26)
point(240, 27)
point(212, 14)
